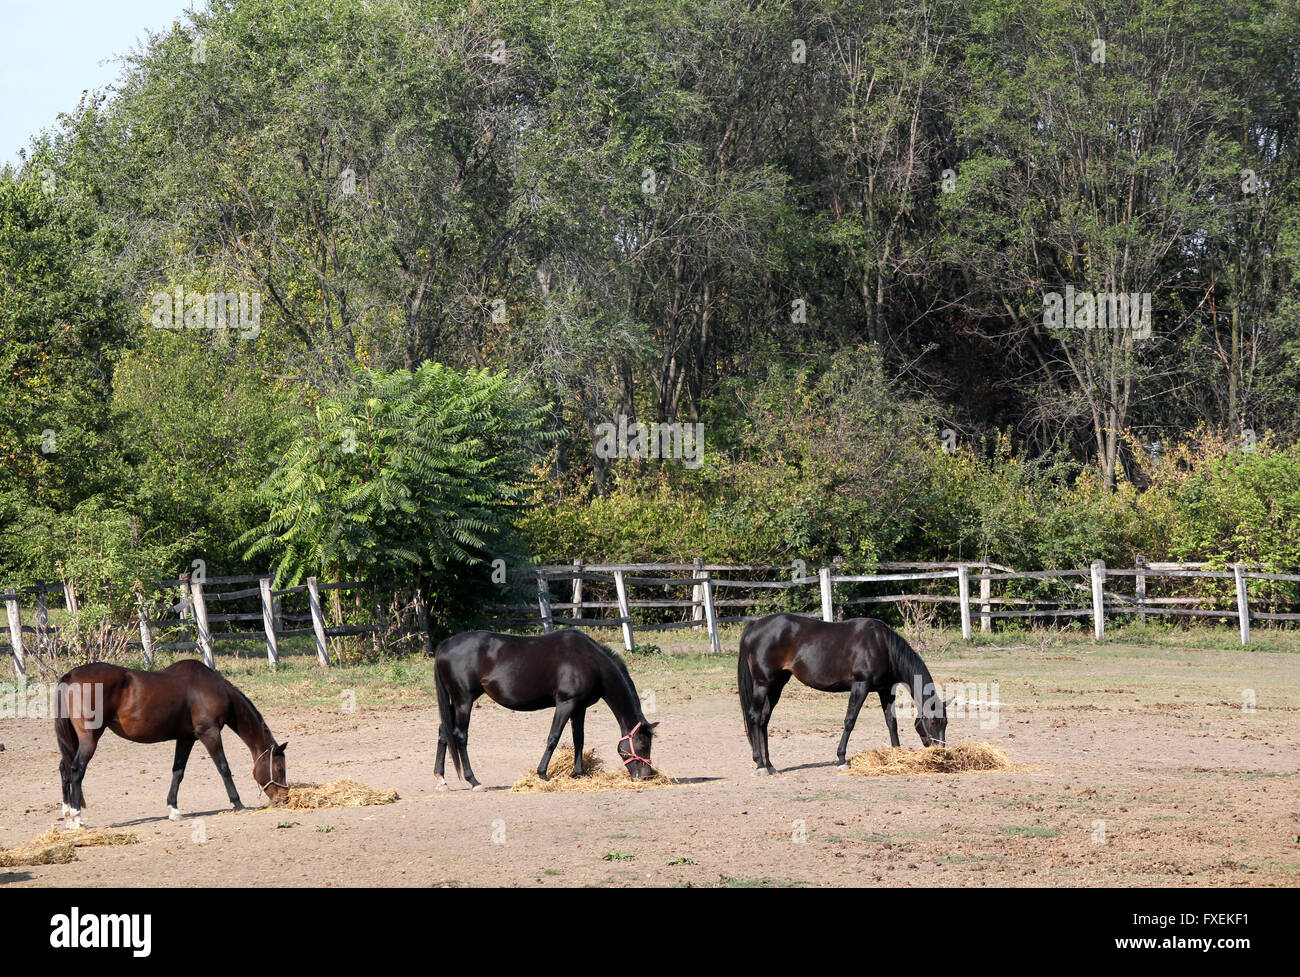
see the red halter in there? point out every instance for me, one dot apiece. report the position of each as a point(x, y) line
point(632, 749)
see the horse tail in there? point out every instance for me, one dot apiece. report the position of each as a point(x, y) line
point(446, 723)
point(65, 733)
point(745, 684)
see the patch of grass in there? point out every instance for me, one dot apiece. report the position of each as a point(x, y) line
point(683, 860)
point(288, 824)
point(616, 856)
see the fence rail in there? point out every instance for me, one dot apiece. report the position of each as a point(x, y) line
point(190, 615)
point(1089, 584)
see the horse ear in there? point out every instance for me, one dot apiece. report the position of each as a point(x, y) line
point(653, 726)
point(950, 703)
point(280, 749)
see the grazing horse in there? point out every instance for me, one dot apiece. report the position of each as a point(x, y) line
point(565, 670)
point(184, 702)
point(858, 657)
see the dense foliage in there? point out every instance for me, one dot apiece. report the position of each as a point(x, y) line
point(823, 231)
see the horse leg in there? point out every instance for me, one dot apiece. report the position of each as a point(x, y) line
point(857, 696)
point(757, 707)
point(440, 763)
point(772, 698)
point(211, 739)
point(563, 712)
point(87, 740)
point(65, 776)
point(891, 718)
point(183, 747)
point(579, 722)
point(460, 742)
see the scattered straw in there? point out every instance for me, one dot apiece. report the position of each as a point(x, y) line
point(57, 847)
point(340, 793)
point(595, 776)
point(963, 758)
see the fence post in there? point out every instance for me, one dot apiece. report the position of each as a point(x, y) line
point(624, 611)
point(422, 615)
point(42, 620)
point(828, 597)
point(697, 592)
point(1243, 604)
point(1140, 589)
point(146, 629)
point(710, 613)
point(70, 598)
point(201, 622)
point(268, 621)
point(1098, 599)
point(577, 588)
point(963, 591)
point(318, 620)
point(544, 604)
point(15, 630)
point(986, 600)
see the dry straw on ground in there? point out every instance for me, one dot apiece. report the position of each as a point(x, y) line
point(595, 777)
point(963, 758)
point(340, 793)
point(57, 847)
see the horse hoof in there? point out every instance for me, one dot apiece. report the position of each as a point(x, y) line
point(841, 766)
point(762, 772)
point(478, 787)
point(173, 814)
point(443, 785)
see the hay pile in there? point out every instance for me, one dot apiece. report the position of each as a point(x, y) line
point(595, 776)
point(340, 793)
point(57, 847)
point(963, 758)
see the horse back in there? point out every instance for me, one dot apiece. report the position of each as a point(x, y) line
point(150, 707)
point(523, 672)
point(825, 655)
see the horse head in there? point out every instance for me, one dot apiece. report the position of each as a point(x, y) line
point(269, 772)
point(634, 748)
point(932, 721)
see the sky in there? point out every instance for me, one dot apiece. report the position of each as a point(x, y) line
point(53, 50)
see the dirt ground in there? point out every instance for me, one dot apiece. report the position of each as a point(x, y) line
point(1146, 770)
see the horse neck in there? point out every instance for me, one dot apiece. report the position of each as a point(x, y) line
point(915, 676)
point(249, 726)
point(621, 697)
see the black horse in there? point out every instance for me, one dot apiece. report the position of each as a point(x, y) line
point(858, 657)
point(565, 670)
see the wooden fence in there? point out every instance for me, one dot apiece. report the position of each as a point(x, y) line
point(1088, 586)
point(709, 608)
point(192, 615)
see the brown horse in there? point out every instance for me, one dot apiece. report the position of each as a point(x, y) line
point(185, 702)
point(859, 657)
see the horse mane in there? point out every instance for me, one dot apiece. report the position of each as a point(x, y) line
point(902, 656)
point(621, 667)
point(247, 703)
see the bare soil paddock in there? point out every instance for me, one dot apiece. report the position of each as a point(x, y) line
point(1147, 771)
